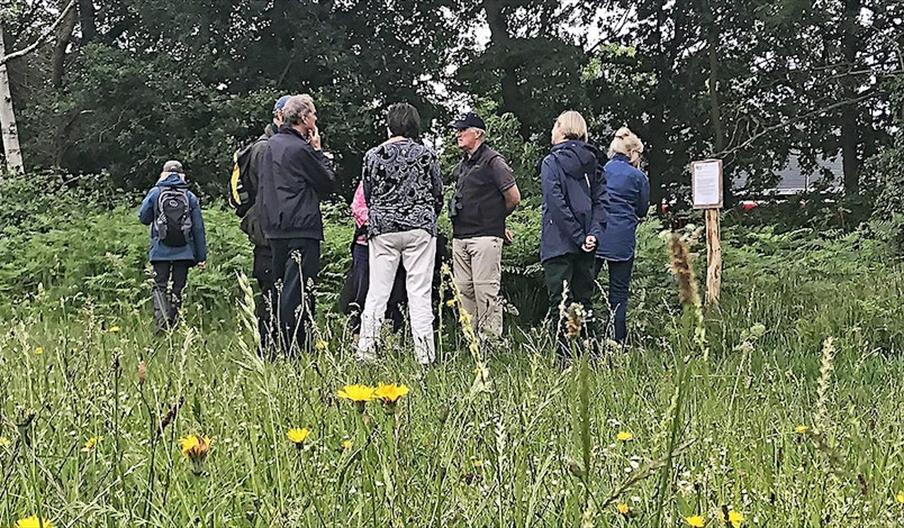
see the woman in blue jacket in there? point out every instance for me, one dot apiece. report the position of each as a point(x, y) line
point(178, 241)
point(628, 200)
point(574, 194)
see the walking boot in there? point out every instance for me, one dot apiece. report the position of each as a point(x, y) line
point(173, 314)
point(161, 311)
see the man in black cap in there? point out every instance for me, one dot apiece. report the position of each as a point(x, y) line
point(485, 195)
point(262, 267)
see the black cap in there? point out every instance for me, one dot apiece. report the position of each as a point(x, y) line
point(468, 120)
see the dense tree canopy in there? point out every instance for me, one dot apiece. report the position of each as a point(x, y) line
point(122, 85)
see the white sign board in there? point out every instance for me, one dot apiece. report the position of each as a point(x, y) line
point(706, 183)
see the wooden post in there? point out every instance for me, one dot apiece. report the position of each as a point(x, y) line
point(713, 257)
point(706, 188)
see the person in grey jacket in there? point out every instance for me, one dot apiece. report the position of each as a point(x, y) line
point(178, 240)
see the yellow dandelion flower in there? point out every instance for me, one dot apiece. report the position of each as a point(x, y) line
point(624, 436)
point(357, 394)
point(391, 393)
point(195, 447)
point(736, 519)
point(92, 443)
point(347, 444)
point(899, 497)
point(5, 442)
point(321, 345)
point(696, 521)
point(298, 435)
point(801, 429)
point(114, 329)
point(33, 522)
point(39, 350)
point(623, 508)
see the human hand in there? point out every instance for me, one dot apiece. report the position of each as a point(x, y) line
point(202, 265)
point(589, 244)
point(509, 237)
point(314, 138)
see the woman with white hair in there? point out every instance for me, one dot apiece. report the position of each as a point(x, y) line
point(573, 217)
point(629, 198)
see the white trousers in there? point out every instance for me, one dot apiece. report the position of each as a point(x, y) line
point(416, 249)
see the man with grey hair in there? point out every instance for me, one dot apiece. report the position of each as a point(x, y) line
point(485, 194)
point(295, 176)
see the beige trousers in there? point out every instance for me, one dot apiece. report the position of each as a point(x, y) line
point(416, 250)
point(477, 271)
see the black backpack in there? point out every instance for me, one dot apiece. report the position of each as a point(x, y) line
point(173, 216)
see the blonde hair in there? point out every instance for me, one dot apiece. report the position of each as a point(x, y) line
point(627, 143)
point(572, 125)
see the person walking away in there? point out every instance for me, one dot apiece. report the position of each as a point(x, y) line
point(403, 190)
point(262, 267)
point(295, 176)
point(485, 194)
point(628, 191)
point(574, 195)
point(178, 240)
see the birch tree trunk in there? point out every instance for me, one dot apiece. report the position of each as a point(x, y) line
point(8, 118)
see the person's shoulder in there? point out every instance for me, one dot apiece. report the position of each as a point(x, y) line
point(421, 150)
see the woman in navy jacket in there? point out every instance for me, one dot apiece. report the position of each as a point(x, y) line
point(628, 200)
point(574, 194)
point(172, 261)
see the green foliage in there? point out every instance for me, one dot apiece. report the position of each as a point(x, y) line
point(73, 370)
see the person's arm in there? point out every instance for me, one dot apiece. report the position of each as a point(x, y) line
point(198, 233)
point(359, 206)
point(437, 180)
point(505, 182)
point(146, 213)
point(318, 171)
point(600, 197)
point(556, 204)
point(643, 202)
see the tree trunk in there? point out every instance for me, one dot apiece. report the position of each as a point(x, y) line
point(850, 137)
point(715, 111)
point(63, 37)
point(8, 117)
point(500, 41)
point(87, 20)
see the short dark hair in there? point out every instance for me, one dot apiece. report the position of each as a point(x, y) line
point(404, 120)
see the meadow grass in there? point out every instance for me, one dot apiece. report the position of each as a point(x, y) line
point(540, 444)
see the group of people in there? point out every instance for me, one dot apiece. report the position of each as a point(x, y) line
point(591, 207)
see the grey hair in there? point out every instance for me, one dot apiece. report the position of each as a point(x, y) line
point(481, 134)
point(297, 108)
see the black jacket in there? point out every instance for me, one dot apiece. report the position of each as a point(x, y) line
point(293, 179)
point(251, 222)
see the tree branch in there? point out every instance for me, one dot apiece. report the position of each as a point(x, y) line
point(47, 32)
point(752, 139)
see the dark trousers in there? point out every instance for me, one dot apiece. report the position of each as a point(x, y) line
point(177, 271)
point(619, 282)
point(296, 263)
point(262, 271)
point(575, 269)
point(360, 282)
point(168, 300)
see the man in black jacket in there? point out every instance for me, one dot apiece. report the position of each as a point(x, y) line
point(295, 176)
point(262, 268)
